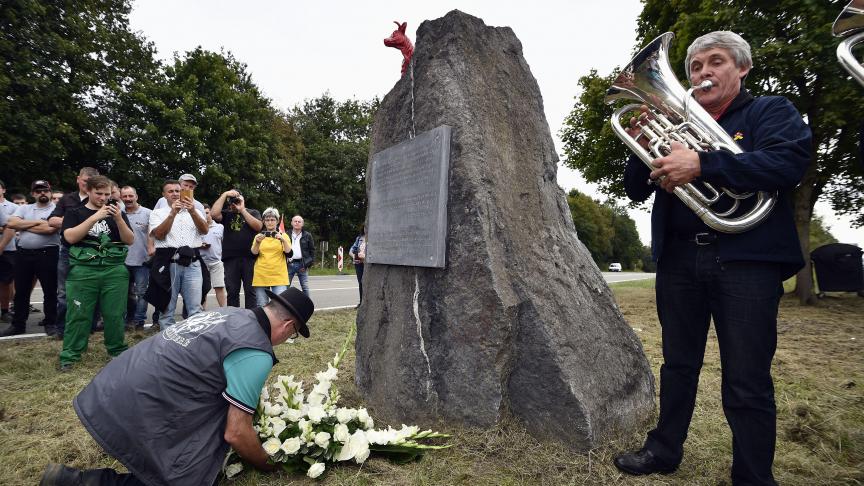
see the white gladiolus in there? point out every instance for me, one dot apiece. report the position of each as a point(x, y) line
point(340, 433)
point(291, 445)
point(315, 470)
point(368, 423)
point(322, 439)
point(271, 446)
point(316, 414)
point(316, 398)
point(361, 456)
point(330, 375)
point(265, 395)
point(355, 446)
point(278, 426)
point(362, 414)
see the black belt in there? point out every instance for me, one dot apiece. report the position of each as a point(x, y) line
point(297, 261)
point(44, 249)
point(701, 239)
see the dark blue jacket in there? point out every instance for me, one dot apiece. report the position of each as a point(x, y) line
point(776, 145)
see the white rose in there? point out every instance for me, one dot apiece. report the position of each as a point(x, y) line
point(292, 414)
point(291, 445)
point(368, 423)
point(322, 439)
point(340, 433)
point(315, 470)
point(362, 415)
point(233, 469)
point(345, 415)
point(316, 414)
point(271, 446)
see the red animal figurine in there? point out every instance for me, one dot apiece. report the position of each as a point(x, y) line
point(400, 41)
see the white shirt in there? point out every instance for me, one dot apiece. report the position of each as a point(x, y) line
point(295, 245)
point(183, 231)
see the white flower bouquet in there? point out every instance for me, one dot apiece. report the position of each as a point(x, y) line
point(304, 432)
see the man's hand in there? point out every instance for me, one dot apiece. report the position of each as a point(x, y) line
point(635, 129)
point(176, 206)
point(116, 212)
point(106, 211)
point(187, 203)
point(680, 167)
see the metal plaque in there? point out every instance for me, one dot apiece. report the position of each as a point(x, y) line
point(408, 202)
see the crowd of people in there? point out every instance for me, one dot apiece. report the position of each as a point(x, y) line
point(101, 257)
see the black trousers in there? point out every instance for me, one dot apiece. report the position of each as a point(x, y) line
point(358, 267)
point(239, 270)
point(742, 298)
point(42, 264)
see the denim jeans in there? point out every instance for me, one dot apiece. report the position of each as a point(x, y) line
point(139, 280)
point(185, 281)
point(262, 296)
point(742, 298)
point(294, 269)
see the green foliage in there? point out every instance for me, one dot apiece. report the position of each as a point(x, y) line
point(63, 63)
point(335, 136)
point(605, 230)
point(794, 56)
point(205, 116)
point(819, 234)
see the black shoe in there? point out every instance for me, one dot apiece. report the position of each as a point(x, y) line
point(64, 367)
point(6, 316)
point(643, 462)
point(11, 331)
point(33, 309)
point(50, 331)
point(60, 475)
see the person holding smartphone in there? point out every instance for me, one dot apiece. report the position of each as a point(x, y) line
point(98, 235)
point(271, 247)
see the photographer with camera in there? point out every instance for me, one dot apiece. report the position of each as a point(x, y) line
point(240, 227)
point(271, 246)
point(98, 234)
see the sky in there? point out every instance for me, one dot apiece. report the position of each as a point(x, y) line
point(300, 50)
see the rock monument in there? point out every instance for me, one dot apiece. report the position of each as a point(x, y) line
point(520, 322)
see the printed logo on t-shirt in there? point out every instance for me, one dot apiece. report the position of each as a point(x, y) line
point(185, 332)
point(99, 228)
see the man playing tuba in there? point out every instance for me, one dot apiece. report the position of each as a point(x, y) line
point(736, 279)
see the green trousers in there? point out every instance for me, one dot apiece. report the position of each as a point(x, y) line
point(87, 285)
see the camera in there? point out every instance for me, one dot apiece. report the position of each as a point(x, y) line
point(231, 200)
point(271, 234)
point(112, 201)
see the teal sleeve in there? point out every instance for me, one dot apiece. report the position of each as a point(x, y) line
point(246, 371)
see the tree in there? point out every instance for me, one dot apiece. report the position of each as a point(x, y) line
point(63, 61)
point(204, 115)
point(335, 138)
point(605, 230)
point(793, 54)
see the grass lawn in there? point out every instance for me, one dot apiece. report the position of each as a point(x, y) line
point(819, 380)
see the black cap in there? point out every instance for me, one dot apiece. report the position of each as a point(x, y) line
point(40, 184)
point(298, 304)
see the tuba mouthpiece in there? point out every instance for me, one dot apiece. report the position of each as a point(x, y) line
point(706, 85)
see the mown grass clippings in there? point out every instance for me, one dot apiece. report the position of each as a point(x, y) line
point(818, 371)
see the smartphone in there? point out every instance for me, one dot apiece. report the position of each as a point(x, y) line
point(187, 193)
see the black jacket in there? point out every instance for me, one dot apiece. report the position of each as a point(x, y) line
point(307, 248)
point(776, 144)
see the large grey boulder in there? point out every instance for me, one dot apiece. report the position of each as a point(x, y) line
point(520, 323)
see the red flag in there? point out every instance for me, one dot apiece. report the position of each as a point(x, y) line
point(281, 224)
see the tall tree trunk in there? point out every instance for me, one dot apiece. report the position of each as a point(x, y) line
point(803, 210)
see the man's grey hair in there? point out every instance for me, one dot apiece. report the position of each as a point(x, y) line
point(721, 39)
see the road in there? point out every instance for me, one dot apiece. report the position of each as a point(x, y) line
point(329, 292)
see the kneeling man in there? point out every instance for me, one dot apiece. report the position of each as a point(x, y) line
point(169, 407)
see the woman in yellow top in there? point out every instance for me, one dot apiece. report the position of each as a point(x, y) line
point(271, 246)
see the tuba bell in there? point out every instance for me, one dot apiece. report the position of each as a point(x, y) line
point(675, 117)
point(850, 24)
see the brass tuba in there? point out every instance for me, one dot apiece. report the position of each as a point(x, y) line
point(649, 79)
point(850, 24)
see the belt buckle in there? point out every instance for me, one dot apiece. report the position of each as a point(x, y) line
point(703, 242)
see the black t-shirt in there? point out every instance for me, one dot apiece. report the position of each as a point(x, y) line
point(75, 217)
point(69, 201)
point(237, 237)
